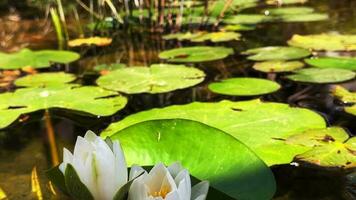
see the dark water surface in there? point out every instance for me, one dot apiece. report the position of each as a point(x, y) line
point(24, 146)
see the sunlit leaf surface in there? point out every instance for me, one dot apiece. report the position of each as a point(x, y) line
point(97, 41)
point(276, 66)
point(45, 79)
point(333, 62)
point(328, 42)
point(319, 75)
point(276, 53)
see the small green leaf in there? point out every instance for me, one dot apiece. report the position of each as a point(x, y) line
point(196, 54)
point(276, 66)
point(45, 79)
point(333, 62)
point(74, 185)
point(244, 86)
point(276, 53)
point(57, 178)
point(318, 75)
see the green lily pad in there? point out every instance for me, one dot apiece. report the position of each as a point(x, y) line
point(260, 126)
point(36, 59)
point(202, 36)
point(346, 97)
point(244, 86)
point(169, 141)
point(286, 2)
point(158, 78)
point(196, 54)
point(276, 53)
point(88, 99)
point(45, 79)
point(312, 17)
point(275, 66)
point(238, 27)
point(318, 75)
point(328, 42)
point(247, 19)
point(290, 10)
point(109, 67)
point(332, 147)
point(333, 62)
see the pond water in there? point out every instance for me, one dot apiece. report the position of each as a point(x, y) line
point(24, 147)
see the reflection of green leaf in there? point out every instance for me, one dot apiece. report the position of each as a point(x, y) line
point(88, 99)
point(244, 86)
point(35, 59)
point(196, 54)
point(333, 62)
point(158, 78)
point(228, 164)
point(261, 126)
point(276, 53)
point(276, 66)
point(45, 79)
point(317, 75)
point(329, 42)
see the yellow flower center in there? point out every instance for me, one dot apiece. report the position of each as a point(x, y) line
point(162, 192)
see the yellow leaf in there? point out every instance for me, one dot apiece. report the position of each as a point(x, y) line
point(98, 41)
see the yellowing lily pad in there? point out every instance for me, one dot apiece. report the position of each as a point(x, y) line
point(158, 78)
point(261, 126)
point(333, 62)
point(328, 42)
point(202, 36)
point(244, 86)
point(346, 97)
point(97, 41)
point(35, 59)
point(196, 54)
point(238, 27)
point(276, 53)
point(279, 2)
point(45, 79)
point(275, 66)
point(88, 99)
point(318, 75)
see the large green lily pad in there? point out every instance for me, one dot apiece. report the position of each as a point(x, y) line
point(202, 36)
point(333, 62)
point(88, 99)
point(244, 86)
point(328, 42)
point(276, 53)
point(347, 97)
point(229, 165)
point(319, 75)
point(35, 59)
point(332, 147)
point(196, 54)
point(248, 19)
point(261, 126)
point(275, 66)
point(158, 78)
point(45, 79)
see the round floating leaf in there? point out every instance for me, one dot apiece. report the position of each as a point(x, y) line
point(318, 75)
point(228, 164)
point(276, 53)
point(196, 54)
point(279, 2)
point(36, 59)
point(290, 10)
point(261, 126)
point(276, 66)
point(312, 17)
point(202, 36)
point(247, 19)
point(333, 62)
point(244, 86)
point(328, 42)
point(45, 79)
point(158, 78)
point(109, 67)
point(238, 27)
point(87, 99)
point(347, 97)
point(98, 41)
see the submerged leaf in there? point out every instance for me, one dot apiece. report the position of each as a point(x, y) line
point(36, 59)
point(244, 86)
point(196, 54)
point(261, 126)
point(216, 156)
point(318, 75)
point(158, 78)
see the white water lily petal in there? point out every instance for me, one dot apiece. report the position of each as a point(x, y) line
point(120, 164)
point(135, 171)
point(159, 178)
point(184, 185)
point(138, 189)
point(67, 158)
point(200, 191)
point(174, 169)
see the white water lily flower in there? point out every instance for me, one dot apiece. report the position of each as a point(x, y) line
point(100, 165)
point(161, 183)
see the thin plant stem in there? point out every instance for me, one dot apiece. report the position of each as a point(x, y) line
point(51, 139)
point(58, 27)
